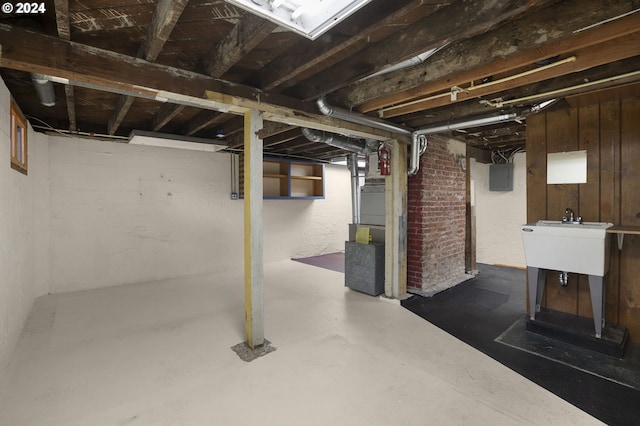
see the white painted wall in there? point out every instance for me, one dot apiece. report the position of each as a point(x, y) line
point(300, 228)
point(123, 214)
point(92, 214)
point(24, 225)
point(499, 216)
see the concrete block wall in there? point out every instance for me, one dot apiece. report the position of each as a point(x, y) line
point(124, 214)
point(436, 219)
point(93, 214)
point(24, 224)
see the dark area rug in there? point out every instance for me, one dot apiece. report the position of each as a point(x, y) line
point(332, 261)
point(488, 313)
point(624, 371)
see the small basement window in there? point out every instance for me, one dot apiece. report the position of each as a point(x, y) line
point(18, 139)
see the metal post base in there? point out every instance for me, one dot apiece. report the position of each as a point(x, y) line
point(597, 290)
point(537, 278)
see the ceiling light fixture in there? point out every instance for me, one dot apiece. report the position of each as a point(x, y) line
point(309, 18)
point(141, 137)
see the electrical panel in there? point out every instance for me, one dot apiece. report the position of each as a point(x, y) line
point(501, 177)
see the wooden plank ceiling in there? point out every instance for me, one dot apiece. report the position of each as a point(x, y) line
point(113, 59)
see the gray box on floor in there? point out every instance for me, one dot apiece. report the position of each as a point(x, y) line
point(364, 267)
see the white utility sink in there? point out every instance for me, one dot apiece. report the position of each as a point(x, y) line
point(579, 248)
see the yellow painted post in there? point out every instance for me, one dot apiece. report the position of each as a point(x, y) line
point(253, 237)
point(396, 223)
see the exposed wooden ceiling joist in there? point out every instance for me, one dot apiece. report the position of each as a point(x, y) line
point(249, 32)
point(612, 51)
point(281, 138)
point(459, 20)
point(535, 37)
point(165, 114)
point(164, 19)
point(204, 119)
point(327, 51)
point(96, 68)
point(62, 23)
point(279, 73)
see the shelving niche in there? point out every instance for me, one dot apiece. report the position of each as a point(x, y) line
point(289, 179)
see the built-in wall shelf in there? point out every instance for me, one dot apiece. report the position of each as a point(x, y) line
point(621, 231)
point(289, 179)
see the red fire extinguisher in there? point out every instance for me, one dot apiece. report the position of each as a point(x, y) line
point(384, 159)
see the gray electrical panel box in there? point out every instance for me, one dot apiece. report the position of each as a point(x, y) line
point(501, 177)
point(364, 267)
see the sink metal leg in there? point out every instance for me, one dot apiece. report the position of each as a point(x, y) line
point(596, 288)
point(537, 278)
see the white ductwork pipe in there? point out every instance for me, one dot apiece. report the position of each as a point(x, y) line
point(456, 125)
point(352, 163)
point(418, 147)
point(358, 118)
point(41, 83)
point(418, 141)
point(354, 145)
point(44, 89)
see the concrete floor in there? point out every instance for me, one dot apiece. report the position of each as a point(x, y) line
point(159, 354)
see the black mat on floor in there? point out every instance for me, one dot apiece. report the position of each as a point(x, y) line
point(485, 312)
point(624, 371)
point(332, 261)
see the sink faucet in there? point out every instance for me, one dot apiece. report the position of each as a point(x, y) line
point(569, 218)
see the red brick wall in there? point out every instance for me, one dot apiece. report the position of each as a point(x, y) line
point(436, 221)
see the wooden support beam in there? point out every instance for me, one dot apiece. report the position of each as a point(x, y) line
point(253, 235)
point(273, 112)
point(165, 17)
point(470, 222)
point(100, 69)
point(481, 155)
point(249, 32)
point(535, 37)
point(461, 19)
point(395, 231)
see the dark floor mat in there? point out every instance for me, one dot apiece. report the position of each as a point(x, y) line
point(624, 371)
point(482, 312)
point(332, 261)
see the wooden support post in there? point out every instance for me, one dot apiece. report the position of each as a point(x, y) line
point(470, 240)
point(395, 234)
point(253, 245)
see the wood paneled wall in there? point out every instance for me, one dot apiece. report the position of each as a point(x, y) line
point(610, 132)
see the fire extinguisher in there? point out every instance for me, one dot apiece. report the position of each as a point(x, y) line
point(384, 159)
